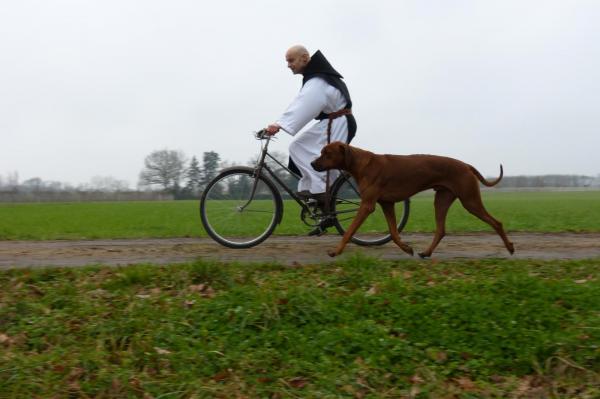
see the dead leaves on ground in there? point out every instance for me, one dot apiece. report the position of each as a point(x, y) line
point(191, 293)
point(204, 290)
point(297, 382)
point(5, 340)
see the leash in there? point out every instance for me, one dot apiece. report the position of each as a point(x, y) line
point(331, 117)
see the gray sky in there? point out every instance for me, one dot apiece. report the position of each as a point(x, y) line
point(89, 88)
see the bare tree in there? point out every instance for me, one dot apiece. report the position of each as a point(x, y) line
point(164, 168)
point(11, 182)
point(35, 184)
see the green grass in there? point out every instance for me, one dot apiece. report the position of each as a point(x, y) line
point(90, 220)
point(357, 328)
point(519, 211)
point(534, 212)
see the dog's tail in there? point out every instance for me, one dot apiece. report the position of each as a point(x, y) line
point(483, 180)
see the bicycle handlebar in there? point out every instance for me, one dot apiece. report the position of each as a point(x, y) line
point(262, 135)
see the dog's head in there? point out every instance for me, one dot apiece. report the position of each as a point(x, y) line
point(336, 155)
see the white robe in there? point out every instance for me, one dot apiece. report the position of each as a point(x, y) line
point(316, 96)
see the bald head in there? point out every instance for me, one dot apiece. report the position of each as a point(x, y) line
point(297, 57)
point(297, 50)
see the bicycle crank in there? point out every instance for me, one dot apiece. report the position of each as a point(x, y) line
point(311, 215)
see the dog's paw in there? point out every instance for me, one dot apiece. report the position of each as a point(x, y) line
point(423, 255)
point(332, 253)
point(511, 248)
point(408, 249)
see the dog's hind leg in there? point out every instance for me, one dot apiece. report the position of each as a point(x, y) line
point(442, 202)
point(390, 217)
point(473, 204)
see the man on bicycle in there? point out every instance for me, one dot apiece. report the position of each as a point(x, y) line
point(324, 97)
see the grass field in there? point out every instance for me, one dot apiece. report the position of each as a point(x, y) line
point(358, 329)
point(534, 212)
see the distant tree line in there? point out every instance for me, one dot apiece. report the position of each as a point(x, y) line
point(169, 174)
point(11, 183)
point(170, 171)
point(549, 181)
point(99, 188)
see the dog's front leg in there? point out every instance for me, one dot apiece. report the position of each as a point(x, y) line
point(365, 210)
point(390, 217)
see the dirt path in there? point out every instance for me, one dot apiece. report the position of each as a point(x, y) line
point(287, 250)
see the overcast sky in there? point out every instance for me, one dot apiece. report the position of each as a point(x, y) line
point(89, 88)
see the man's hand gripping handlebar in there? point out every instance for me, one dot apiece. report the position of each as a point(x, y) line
point(268, 132)
point(262, 134)
point(272, 129)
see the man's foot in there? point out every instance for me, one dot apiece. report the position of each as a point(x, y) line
point(322, 227)
point(306, 195)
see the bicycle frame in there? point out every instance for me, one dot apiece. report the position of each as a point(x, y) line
point(347, 201)
point(262, 165)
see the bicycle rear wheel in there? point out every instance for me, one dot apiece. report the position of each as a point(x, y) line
point(239, 209)
point(345, 201)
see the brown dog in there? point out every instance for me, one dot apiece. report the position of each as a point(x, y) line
point(387, 179)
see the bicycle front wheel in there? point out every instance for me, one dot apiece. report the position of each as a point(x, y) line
point(239, 209)
point(345, 200)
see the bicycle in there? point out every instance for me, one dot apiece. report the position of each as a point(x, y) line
point(242, 205)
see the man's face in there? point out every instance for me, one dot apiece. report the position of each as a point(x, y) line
point(296, 62)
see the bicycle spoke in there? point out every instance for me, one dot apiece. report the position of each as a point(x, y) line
point(345, 219)
point(354, 210)
point(342, 201)
point(254, 211)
